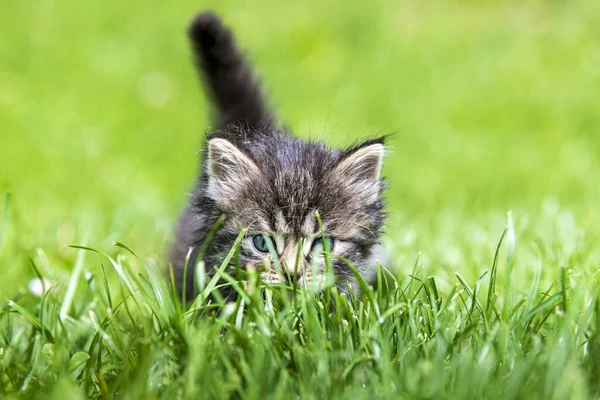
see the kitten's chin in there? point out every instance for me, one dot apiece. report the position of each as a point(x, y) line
point(314, 280)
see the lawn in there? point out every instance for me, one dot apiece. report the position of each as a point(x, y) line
point(491, 289)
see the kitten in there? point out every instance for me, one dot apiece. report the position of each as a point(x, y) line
point(269, 182)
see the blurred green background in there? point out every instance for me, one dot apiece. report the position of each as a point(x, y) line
point(494, 105)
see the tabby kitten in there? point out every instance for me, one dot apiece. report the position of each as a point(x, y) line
point(271, 183)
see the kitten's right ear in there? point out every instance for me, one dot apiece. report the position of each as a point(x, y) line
point(229, 170)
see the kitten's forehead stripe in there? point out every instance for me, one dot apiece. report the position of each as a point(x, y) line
point(281, 224)
point(308, 228)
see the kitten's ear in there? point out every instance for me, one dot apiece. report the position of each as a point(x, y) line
point(361, 169)
point(228, 169)
point(363, 163)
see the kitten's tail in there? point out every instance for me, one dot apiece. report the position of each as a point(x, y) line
point(226, 75)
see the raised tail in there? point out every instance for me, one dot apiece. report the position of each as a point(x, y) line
point(231, 86)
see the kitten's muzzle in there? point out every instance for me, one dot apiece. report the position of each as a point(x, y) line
point(292, 268)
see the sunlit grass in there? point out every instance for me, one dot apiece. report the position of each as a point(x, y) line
point(405, 337)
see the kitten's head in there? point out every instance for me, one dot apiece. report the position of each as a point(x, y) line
point(273, 186)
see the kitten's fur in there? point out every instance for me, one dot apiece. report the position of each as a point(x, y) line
point(267, 181)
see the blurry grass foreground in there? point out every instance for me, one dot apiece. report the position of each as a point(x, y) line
point(404, 337)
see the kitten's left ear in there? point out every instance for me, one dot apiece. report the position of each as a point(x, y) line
point(361, 170)
point(363, 163)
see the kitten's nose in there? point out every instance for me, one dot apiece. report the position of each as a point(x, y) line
point(291, 267)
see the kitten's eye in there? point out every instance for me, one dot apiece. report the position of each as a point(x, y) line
point(260, 243)
point(318, 245)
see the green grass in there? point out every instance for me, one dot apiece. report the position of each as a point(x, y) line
point(494, 106)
